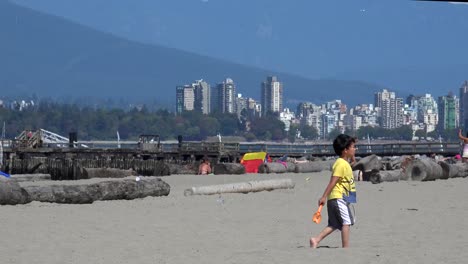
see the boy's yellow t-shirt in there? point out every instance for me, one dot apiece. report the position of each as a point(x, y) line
point(342, 169)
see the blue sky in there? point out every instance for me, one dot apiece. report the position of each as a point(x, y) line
point(396, 43)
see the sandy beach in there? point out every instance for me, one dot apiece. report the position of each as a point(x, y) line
point(398, 222)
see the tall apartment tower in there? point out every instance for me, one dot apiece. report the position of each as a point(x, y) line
point(383, 95)
point(185, 98)
point(272, 95)
point(391, 109)
point(448, 107)
point(464, 105)
point(224, 97)
point(202, 97)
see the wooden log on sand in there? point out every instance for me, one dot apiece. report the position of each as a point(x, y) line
point(457, 170)
point(368, 163)
point(11, 192)
point(80, 192)
point(30, 177)
point(89, 173)
point(241, 187)
point(272, 167)
point(423, 170)
point(228, 168)
point(314, 166)
point(385, 176)
point(182, 169)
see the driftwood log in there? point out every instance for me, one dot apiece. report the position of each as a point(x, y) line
point(457, 170)
point(82, 193)
point(368, 163)
point(241, 187)
point(11, 192)
point(385, 176)
point(30, 177)
point(423, 170)
point(229, 168)
point(395, 163)
point(272, 167)
point(89, 173)
point(182, 168)
point(314, 166)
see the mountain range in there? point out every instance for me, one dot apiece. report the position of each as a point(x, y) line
point(51, 56)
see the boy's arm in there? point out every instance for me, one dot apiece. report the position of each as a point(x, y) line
point(331, 184)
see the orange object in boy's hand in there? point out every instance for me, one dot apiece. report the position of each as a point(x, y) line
point(317, 216)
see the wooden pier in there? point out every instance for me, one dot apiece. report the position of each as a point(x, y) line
point(147, 159)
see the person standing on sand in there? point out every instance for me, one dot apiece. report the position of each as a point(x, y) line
point(465, 144)
point(340, 192)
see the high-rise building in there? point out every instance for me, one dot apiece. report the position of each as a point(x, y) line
point(391, 109)
point(224, 97)
point(383, 95)
point(448, 112)
point(272, 95)
point(202, 96)
point(185, 98)
point(464, 105)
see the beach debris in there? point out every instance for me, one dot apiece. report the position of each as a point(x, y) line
point(11, 192)
point(30, 177)
point(88, 173)
point(423, 170)
point(369, 163)
point(82, 192)
point(228, 168)
point(314, 166)
point(385, 176)
point(241, 187)
point(276, 167)
point(457, 170)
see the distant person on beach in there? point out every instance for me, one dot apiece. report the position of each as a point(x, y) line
point(465, 145)
point(340, 192)
point(204, 167)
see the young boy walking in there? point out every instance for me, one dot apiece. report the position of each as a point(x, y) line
point(340, 192)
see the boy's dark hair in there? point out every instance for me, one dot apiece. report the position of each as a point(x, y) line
point(342, 142)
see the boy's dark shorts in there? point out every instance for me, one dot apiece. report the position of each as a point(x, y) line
point(339, 213)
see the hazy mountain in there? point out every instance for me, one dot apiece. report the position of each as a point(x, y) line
point(50, 56)
point(402, 44)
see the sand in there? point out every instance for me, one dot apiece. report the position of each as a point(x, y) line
point(399, 222)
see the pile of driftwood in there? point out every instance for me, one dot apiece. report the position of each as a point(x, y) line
point(377, 170)
point(20, 190)
point(276, 167)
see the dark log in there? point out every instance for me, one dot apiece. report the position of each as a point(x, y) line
point(457, 170)
point(182, 169)
point(11, 192)
point(82, 192)
point(423, 170)
point(368, 163)
point(394, 163)
point(30, 177)
point(229, 168)
point(290, 166)
point(161, 169)
point(89, 173)
point(314, 166)
point(272, 167)
point(385, 176)
point(242, 187)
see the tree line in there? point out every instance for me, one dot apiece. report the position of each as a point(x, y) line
point(93, 123)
